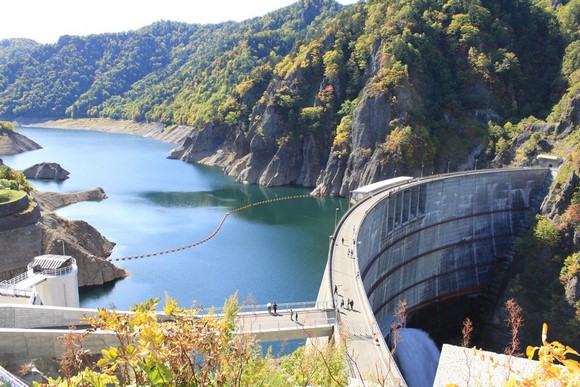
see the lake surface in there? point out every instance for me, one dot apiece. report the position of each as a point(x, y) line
point(271, 253)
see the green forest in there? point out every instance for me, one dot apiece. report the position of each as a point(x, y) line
point(447, 68)
point(459, 55)
point(332, 97)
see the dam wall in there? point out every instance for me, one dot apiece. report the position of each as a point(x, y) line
point(437, 238)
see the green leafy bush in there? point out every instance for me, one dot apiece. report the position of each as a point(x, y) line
point(546, 231)
point(14, 180)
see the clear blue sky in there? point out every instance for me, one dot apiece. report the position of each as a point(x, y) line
point(46, 20)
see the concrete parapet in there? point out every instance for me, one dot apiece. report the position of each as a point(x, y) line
point(32, 316)
point(14, 206)
point(28, 331)
point(292, 332)
point(17, 344)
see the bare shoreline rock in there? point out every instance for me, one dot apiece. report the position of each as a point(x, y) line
point(50, 201)
point(27, 236)
point(46, 171)
point(41, 231)
point(170, 134)
point(12, 143)
point(78, 238)
point(85, 243)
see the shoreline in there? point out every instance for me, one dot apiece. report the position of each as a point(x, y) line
point(171, 134)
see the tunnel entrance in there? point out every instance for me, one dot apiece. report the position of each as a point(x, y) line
point(443, 320)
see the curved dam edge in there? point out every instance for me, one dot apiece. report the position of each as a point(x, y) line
point(424, 241)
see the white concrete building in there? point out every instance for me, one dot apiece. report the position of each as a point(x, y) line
point(50, 280)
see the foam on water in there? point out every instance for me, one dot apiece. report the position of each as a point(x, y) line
point(417, 357)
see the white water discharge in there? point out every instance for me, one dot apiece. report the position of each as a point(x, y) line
point(417, 357)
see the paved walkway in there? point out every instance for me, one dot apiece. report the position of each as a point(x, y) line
point(311, 322)
point(370, 357)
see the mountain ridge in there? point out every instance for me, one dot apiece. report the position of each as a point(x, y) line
point(315, 94)
point(332, 98)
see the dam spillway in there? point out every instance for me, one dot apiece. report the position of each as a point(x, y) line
point(441, 237)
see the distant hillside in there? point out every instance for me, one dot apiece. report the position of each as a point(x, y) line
point(15, 49)
point(313, 94)
point(330, 97)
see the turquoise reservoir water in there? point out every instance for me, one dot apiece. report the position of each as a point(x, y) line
point(272, 253)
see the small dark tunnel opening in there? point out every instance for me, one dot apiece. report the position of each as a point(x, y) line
point(443, 320)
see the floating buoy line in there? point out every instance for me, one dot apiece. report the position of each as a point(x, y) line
point(218, 228)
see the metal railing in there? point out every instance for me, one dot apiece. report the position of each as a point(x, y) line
point(283, 306)
point(7, 379)
point(59, 271)
point(24, 276)
point(280, 326)
point(13, 281)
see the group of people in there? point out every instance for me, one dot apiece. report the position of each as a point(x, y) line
point(349, 304)
point(273, 307)
point(293, 315)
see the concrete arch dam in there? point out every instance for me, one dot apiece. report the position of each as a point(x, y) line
point(439, 238)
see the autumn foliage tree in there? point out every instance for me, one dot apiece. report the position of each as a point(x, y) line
point(181, 347)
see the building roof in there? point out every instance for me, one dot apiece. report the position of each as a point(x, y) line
point(380, 184)
point(50, 262)
point(548, 157)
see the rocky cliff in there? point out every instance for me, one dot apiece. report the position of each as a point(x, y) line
point(46, 171)
point(315, 95)
point(47, 233)
point(80, 239)
point(12, 143)
point(380, 94)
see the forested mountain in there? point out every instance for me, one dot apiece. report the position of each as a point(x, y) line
point(162, 72)
point(314, 94)
point(13, 49)
point(332, 97)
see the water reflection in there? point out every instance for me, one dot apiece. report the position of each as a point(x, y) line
point(189, 199)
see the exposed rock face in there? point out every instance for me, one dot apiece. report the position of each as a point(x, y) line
point(83, 242)
point(12, 143)
point(50, 201)
point(154, 130)
point(40, 232)
point(369, 129)
point(199, 145)
point(572, 290)
point(46, 171)
point(265, 154)
point(20, 236)
point(271, 152)
point(559, 197)
point(365, 163)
